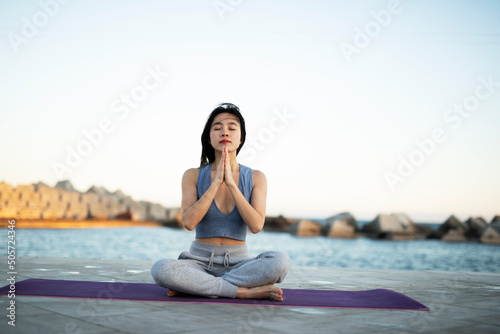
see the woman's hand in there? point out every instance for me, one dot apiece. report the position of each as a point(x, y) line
point(228, 173)
point(224, 171)
point(219, 177)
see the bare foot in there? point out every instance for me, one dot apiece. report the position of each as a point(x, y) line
point(173, 293)
point(261, 292)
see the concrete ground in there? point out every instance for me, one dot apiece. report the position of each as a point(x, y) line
point(459, 302)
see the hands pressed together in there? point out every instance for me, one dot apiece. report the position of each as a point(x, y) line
point(224, 171)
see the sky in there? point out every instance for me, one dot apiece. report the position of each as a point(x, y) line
point(363, 106)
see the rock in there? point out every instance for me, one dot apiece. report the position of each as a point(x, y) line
point(154, 211)
point(6, 188)
point(342, 229)
point(138, 211)
point(491, 234)
point(7, 210)
point(278, 224)
point(342, 225)
point(119, 194)
point(452, 223)
point(425, 232)
point(28, 213)
point(174, 218)
point(475, 227)
point(452, 230)
point(39, 201)
point(394, 227)
point(101, 191)
point(40, 186)
point(454, 235)
point(8, 213)
point(127, 215)
point(495, 219)
point(78, 211)
point(65, 185)
point(382, 225)
point(306, 228)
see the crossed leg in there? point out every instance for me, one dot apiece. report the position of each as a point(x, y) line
point(250, 279)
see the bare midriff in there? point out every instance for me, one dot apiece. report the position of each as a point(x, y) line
point(220, 241)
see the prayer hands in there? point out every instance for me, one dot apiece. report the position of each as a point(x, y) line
point(224, 171)
point(228, 173)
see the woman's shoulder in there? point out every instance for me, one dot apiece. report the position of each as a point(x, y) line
point(191, 174)
point(258, 176)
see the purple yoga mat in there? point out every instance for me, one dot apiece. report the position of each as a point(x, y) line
point(372, 299)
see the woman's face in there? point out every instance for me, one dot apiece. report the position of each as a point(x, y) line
point(225, 131)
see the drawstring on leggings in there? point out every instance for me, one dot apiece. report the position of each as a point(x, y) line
point(211, 263)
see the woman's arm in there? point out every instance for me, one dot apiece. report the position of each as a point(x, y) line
point(254, 213)
point(194, 209)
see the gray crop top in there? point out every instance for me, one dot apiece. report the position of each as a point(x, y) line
point(215, 223)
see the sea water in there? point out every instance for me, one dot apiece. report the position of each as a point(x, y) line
point(141, 243)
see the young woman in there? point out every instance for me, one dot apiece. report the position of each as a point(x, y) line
point(222, 200)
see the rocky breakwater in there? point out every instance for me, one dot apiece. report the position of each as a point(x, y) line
point(473, 229)
point(63, 202)
point(342, 225)
point(395, 226)
point(491, 234)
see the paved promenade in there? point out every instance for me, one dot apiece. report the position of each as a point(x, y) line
point(460, 302)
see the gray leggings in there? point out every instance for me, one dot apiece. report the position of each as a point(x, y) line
point(218, 271)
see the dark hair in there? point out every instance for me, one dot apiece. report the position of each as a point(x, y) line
point(207, 151)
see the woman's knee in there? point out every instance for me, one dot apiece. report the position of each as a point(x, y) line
point(278, 266)
point(160, 271)
point(282, 262)
point(280, 259)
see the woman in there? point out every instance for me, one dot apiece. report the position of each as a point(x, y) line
point(222, 200)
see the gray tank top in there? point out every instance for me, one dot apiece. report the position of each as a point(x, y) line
point(215, 223)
